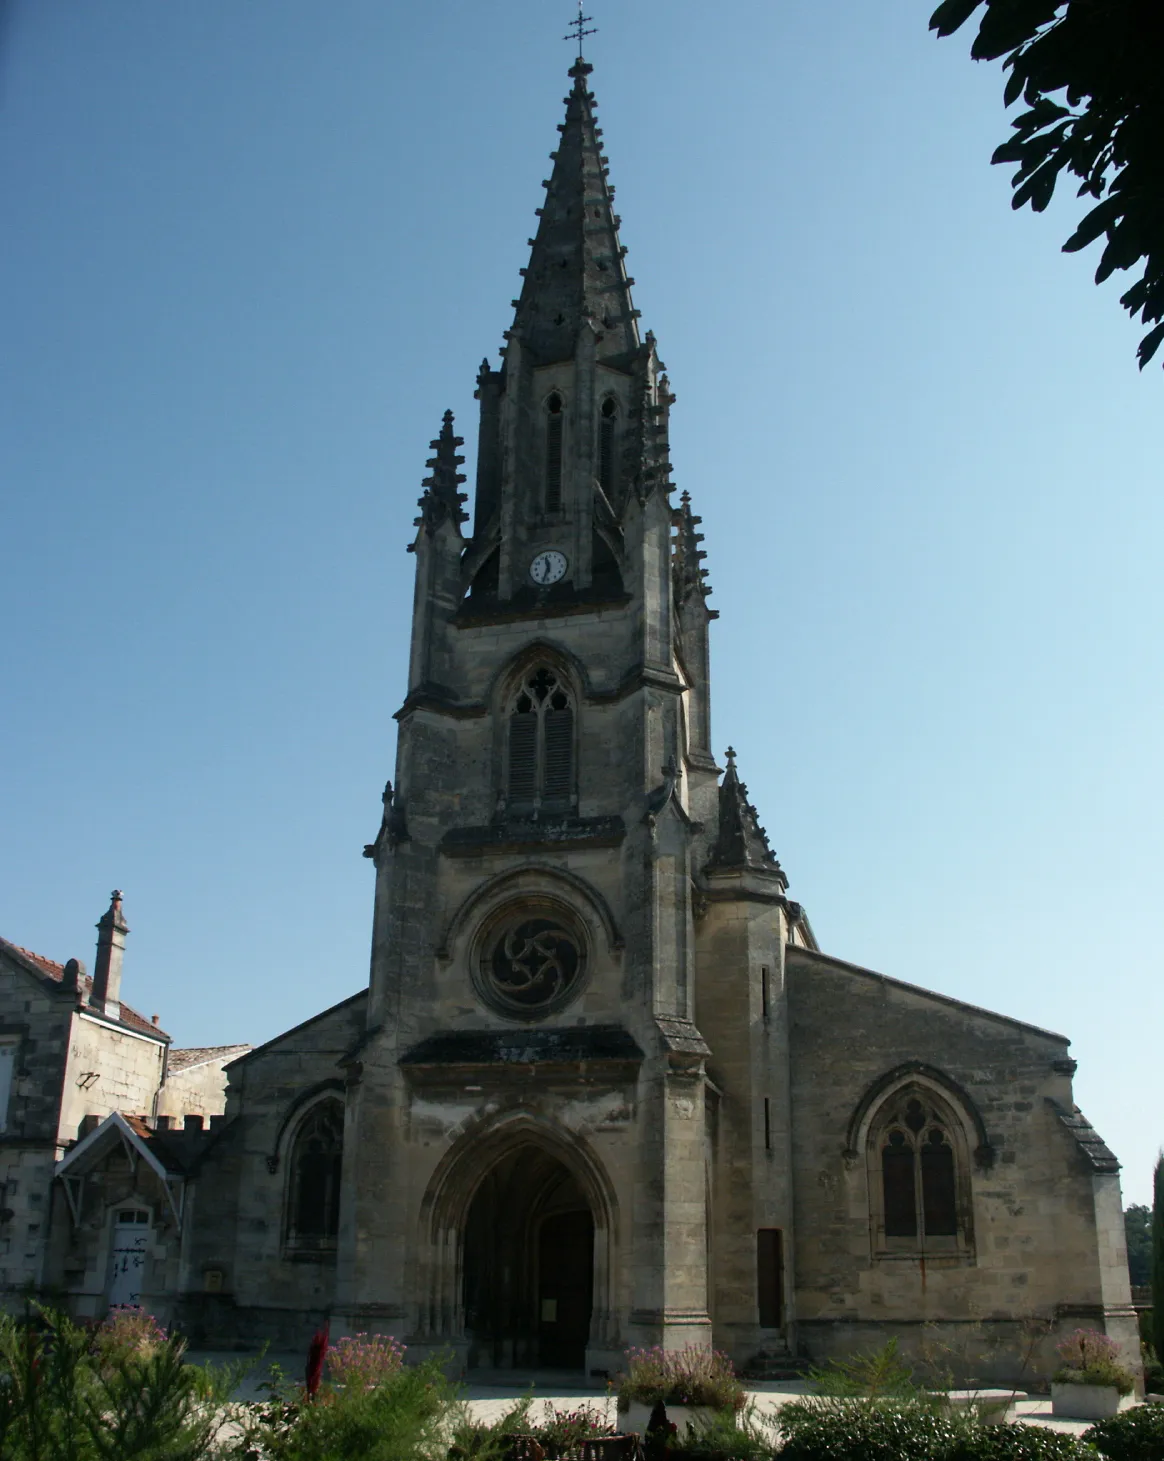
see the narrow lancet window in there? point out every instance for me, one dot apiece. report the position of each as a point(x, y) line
point(918, 1171)
point(606, 432)
point(316, 1162)
point(540, 743)
point(554, 415)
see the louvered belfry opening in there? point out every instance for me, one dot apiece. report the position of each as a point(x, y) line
point(540, 772)
point(554, 415)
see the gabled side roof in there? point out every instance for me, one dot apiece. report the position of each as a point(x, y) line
point(50, 971)
point(813, 956)
point(303, 1025)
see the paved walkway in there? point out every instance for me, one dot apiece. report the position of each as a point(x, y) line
point(491, 1394)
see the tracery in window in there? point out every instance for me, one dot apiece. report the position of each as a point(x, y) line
point(554, 420)
point(606, 443)
point(914, 1171)
point(314, 1184)
point(540, 751)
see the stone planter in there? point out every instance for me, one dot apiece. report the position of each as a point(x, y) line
point(992, 1407)
point(1087, 1402)
point(638, 1413)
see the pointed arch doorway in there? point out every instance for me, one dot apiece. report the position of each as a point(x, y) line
point(528, 1264)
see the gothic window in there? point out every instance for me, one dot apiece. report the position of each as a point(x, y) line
point(606, 444)
point(554, 419)
point(314, 1182)
point(915, 1175)
point(540, 750)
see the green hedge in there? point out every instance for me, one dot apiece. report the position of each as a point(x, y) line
point(1133, 1435)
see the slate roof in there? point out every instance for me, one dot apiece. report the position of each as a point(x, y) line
point(1093, 1147)
point(192, 1055)
point(49, 969)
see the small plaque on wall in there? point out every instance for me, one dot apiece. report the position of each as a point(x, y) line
point(549, 1311)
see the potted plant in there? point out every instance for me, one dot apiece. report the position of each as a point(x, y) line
point(691, 1384)
point(1091, 1384)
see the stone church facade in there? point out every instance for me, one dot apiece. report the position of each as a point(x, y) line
point(604, 1088)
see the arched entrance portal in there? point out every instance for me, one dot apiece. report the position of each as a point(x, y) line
point(528, 1264)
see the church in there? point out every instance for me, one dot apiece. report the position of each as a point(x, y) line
point(603, 1088)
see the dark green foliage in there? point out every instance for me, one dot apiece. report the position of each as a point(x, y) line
point(726, 1436)
point(1138, 1232)
point(403, 1418)
point(856, 1431)
point(1158, 1260)
point(875, 1375)
point(62, 1398)
point(1101, 58)
point(1133, 1435)
point(1019, 1443)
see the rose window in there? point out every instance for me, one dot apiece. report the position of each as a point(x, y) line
point(531, 961)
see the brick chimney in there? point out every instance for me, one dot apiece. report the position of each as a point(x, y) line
point(105, 996)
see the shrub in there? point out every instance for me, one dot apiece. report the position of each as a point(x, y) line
point(1018, 1443)
point(1091, 1358)
point(125, 1394)
point(127, 1332)
point(729, 1435)
point(876, 1375)
point(686, 1376)
point(363, 1361)
point(405, 1417)
point(1133, 1435)
point(852, 1430)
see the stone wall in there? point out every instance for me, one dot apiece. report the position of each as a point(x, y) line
point(38, 1017)
point(238, 1280)
point(1031, 1262)
point(110, 1069)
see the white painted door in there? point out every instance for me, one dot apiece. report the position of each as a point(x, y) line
point(131, 1231)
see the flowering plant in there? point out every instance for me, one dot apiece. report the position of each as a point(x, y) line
point(564, 1430)
point(364, 1361)
point(687, 1376)
point(127, 1332)
point(1091, 1358)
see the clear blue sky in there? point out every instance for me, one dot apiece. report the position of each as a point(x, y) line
point(254, 248)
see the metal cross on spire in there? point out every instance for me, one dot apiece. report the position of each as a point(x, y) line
point(578, 29)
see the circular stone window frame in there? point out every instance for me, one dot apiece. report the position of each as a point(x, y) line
point(514, 911)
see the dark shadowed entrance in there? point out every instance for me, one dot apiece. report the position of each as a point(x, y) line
point(528, 1265)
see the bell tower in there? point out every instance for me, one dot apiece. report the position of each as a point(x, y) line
point(533, 1062)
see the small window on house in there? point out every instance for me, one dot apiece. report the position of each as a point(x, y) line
point(770, 1277)
point(764, 991)
point(767, 1124)
point(314, 1182)
point(914, 1169)
point(554, 415)
point(607, 425)
point(540, 749)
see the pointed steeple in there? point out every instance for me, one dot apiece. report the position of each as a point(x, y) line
point(576, 273)
point(443, 497)
point(742, 843)
point(687, 571)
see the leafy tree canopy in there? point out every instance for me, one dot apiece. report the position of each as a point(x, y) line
point(1102, 59)
point(1138, 1227)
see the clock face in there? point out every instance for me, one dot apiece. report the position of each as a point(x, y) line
point(548, 567)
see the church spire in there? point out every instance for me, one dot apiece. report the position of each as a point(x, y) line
point(742, 844)
point(442, 495)
point(576, 273)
